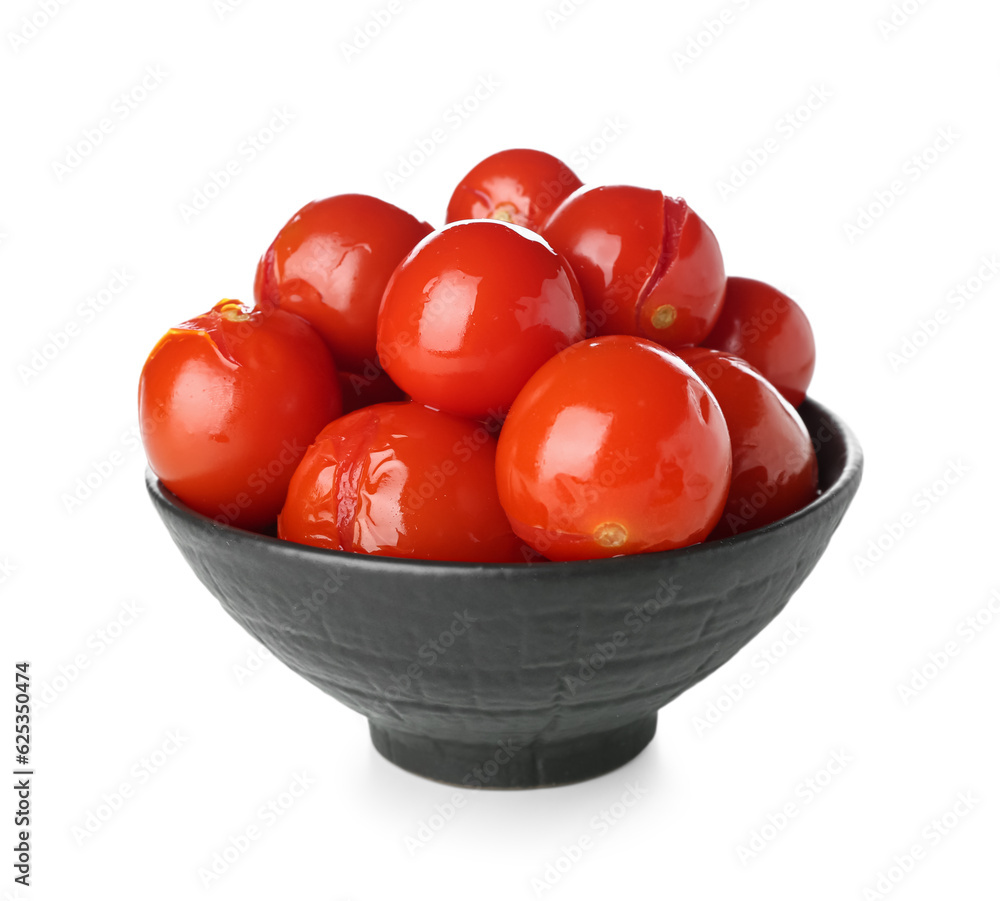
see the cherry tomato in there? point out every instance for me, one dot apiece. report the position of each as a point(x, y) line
point(774, 464)
point(472, 312)
point(401, 480)
point(228, 403)
point(771, 332)
point(613, 447)
point(648, 265)
point(330, 264)
point(520, 186)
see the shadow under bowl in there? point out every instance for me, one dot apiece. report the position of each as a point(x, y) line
point(515, 675)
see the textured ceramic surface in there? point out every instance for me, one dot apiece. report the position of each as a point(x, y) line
point(507, 675)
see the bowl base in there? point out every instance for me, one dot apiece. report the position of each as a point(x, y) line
point(513, 762)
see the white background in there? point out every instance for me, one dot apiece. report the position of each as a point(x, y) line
point(681, 125)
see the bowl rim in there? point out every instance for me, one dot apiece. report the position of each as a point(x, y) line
point(846, 479)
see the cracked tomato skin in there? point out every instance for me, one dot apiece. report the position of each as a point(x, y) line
point(613, 447)
point(472, 312)
point(771, 332)
point(524, 187)
point(330, 264)
point(647, 263)
point(228, 403)
point(401, 480)
point(775, 471)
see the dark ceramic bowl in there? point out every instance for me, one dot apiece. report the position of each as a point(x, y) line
point(506, 675)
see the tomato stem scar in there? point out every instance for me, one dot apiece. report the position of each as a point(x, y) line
point(665, 316)
point(233, 311)
point(610, 534)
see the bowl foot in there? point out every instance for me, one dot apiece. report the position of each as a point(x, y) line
point(512, 761)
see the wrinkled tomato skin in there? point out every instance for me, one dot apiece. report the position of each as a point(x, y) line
point(228, 403)
point(775, 471)
point(771, 332)
point(330, 264)
point(647, 263)
point(613, 447)
point(521, 186)
point(472, 312)
point(401, 480)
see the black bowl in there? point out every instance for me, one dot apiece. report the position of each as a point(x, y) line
point(508, 675)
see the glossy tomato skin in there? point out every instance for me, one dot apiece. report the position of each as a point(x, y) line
point(613, 447)
point(472, 312)
point(401, 480)
point(330, 264)
point(520, 186)
point(775, 471)
point(229, 402)
point(647, 263)
point(771, 332)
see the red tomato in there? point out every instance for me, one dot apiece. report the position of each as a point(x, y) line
point(472, 312)
point(228, 403)
point(330, 264)
point(519, 186)
point(774, 464)
point(613, 447)
point(648, 265)
point(769, 330)
point(401, 480)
